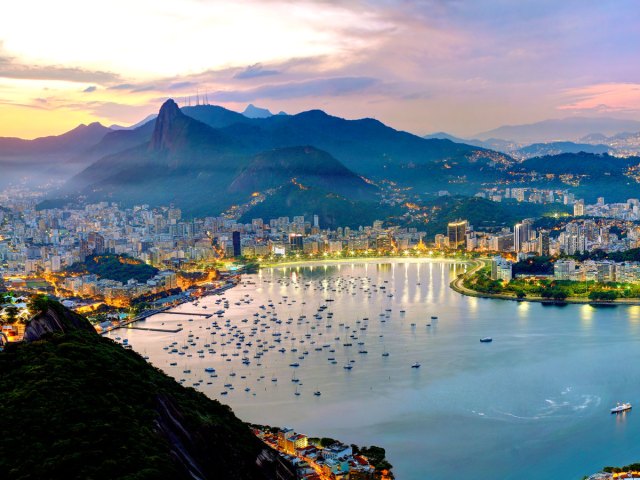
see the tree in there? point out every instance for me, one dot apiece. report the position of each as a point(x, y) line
point(559, 295)
point(521, 294)
point(11, 314)
point(38, 304)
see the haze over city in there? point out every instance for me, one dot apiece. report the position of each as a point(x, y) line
point(458, 66)
point(319, 240)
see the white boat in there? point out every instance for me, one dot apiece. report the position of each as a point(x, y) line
point(621, 407)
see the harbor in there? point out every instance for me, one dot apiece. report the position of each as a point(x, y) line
point(352, 332)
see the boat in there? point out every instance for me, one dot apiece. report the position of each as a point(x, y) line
point(621, 407)
point(415, 365)
point(317, 393)
point(486, 340)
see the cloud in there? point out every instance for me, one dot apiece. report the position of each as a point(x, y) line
point(255, 71)
point(10, 68)
point(181, 85)
point(90, 89)
point(122, 86)
point(607, 97)
point(309, 88)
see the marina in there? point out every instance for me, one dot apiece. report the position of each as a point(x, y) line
point(287, 351)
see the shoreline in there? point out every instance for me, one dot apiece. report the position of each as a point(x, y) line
point(340, 261)
point(457, 285)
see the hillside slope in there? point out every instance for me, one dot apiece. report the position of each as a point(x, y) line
point(78, 406)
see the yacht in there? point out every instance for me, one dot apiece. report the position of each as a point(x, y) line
point(415, 365)
point(486, 340)
point(621, 407)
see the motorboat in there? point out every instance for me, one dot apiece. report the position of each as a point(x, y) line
point(621, 407)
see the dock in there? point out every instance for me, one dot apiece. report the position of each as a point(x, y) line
point(162, 330)
point(205, 315)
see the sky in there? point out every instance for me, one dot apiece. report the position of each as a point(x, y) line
point(460, 66)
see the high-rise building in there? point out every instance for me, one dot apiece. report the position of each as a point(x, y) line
point(237, 247)
point(521, 234)
point(543, 243)
point(456, 232)
point(295, 241)
point(578, 208)
point(316, 221)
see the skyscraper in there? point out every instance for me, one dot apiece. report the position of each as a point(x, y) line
point(543, 243)
point(521, 234)
point(295, 242)
point(237, 247)
point(456, 232)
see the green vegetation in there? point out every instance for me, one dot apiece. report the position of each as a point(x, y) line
point(482, 213)
point(534, 266)
point(551, 289)
point(632, 255)
point(121, 268)
point(78, 406)
point(332, 209)
point(375, 455)
point(322, 442)
point(633, 467)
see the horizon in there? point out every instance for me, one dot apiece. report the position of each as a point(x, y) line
point(433, 66)
point(241, 111)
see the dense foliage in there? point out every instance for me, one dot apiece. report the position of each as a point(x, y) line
point(534, 266)
point(482, 214)
point(634, 467)
point(78, 406)
point(551, 289)
point(121, 268)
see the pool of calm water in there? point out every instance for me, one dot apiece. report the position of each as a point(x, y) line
point(533, 404)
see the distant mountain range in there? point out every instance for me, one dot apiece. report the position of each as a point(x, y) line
point(566, 129)
point(209, 159)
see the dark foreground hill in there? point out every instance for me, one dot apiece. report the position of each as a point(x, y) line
point(77, 406)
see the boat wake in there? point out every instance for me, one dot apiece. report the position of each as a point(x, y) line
point(563, 405)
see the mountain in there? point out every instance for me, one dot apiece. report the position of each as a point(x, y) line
point(256, 112)
point(556, 148)
point(496, 144)
point(79, 406)
point(184, 161)
point(76, 140)
point(571, 129)
point(147, 119)
point(591, 175)
point(47, 158)
point(332, 209)
point(306, 166)
point(214, 116)
point(447, 136)
point(365, 146)
point(208, 163)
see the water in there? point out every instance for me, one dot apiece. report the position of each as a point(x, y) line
point(534, 404)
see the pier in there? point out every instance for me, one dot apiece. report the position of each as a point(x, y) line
point(205, 315)
point(163, 330)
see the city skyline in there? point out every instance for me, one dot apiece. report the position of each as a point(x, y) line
point(427, 66)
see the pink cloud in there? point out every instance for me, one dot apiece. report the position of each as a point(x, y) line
point(604, 97)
